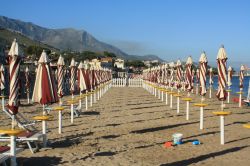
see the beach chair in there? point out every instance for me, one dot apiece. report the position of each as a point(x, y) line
point(10, 151)
point(30, 136)
point(3, 158)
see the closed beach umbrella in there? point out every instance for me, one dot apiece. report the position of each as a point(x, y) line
point(221, 65)
point(72, 76)
point(2, 80)
point(178, 73)
point(81, 80)
point(14, 62)
point(27, 83)
point(60, 77)
point(203, 71)
point(189, 84)
point(44, 88)
point(171, 74)
point(241, 77)
point(229, 76)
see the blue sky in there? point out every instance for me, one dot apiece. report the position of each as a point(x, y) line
point(171, 29)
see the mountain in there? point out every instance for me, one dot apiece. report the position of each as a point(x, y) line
point(63, 39)
point(7, 36)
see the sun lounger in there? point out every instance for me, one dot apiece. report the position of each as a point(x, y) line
point(31, 136)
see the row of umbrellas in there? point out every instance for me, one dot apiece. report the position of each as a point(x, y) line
point(88, 75)
point(172, 75)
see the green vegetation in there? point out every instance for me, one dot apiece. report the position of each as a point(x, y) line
point(135, 63)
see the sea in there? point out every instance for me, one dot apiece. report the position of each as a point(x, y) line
point(235, 84)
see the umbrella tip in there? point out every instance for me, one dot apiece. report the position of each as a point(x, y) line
point(222, 46)
point(14, 39)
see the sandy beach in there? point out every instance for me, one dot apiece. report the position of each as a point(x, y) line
point(129, 126)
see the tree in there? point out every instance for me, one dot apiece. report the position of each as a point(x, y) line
point(109, 54)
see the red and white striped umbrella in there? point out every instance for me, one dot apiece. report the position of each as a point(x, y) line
point(178, 74)
point(86, 75)
point(81, 80)
point(171, 80)
point(211, 77)
point(60, 76)
point(197, 76)
point(203, 72)
point(72, 76)
point(14, 61)
point(229, 76)
point(189, 76)
point(241, 77)
point(222, 76)
point(27, 80)
point(44, 89)
point(2, 80)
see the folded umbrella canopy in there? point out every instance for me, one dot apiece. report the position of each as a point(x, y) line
point(60, 77)
point(203, 72)
point(72, 76)
point(44, 89)
point(189, 77)
point(241, 77)
point(14, 61)
point(229, 76)
point(2, 80)
point(81, 80)
point(178, 74)
point(222, 76)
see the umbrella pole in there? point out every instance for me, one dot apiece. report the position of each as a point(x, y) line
point(166, 98)
point(60, 101)
point(197, 89)
point(28, 97)
point(162, 96)
point(80, 101)
point(228, 96)
point(222, 105)
point(187, 115)
point(178, 102)
point(91, 99)
point(13, 122)
point(171, 99)
point(72, 112)
point(222, 139)
point(210, 92)
point(13, 150)
point(95, 97)
point(240, 97)
point(86, 102)
point(3, 103)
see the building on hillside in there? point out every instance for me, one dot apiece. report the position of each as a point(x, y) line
point(106, 62)
point(119, 63)
point(149, 63)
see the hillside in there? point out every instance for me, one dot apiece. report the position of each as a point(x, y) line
point(7, 36)
point(63, 39)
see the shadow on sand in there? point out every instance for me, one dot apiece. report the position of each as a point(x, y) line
point(204, 157)
point(39, 161)
point(160, 128)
